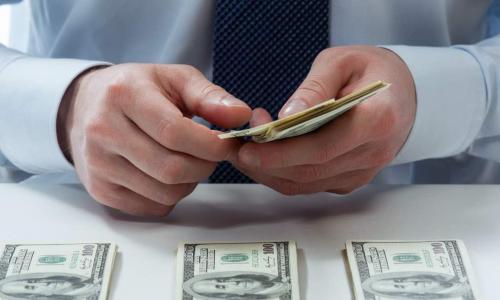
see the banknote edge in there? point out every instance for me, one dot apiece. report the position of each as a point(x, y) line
point(468, 266)
point(355, 276)
point(108, 272)
point(461, 246)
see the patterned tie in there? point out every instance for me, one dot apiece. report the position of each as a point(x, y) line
point(263, 49)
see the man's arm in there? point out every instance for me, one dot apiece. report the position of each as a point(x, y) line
point(457, 101)
point(32, 89)
point(461, 83)
point(487, 142)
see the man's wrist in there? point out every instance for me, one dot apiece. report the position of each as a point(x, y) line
point(450, 101)
point(65, 113)
point(29, 131)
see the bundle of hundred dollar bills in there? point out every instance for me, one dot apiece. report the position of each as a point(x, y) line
point(380, 270)
point(259, 270)
point(430, 270)
point(308, 120)
point(56, 271)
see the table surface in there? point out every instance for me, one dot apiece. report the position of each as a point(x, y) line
point(321, 223)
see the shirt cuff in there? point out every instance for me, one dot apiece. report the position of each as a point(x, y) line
point(451, 101)
point(32, 89)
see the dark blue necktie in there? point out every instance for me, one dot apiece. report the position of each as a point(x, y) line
point(263, 49)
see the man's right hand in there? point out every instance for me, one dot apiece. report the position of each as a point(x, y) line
point(129, 132)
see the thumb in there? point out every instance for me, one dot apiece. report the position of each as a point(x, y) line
point(312, 91)
point(322, 83)
point(197, 96)
point(223, 110)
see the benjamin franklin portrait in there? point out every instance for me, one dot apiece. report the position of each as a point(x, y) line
point(47, 286)
point(416, 285)
point(236, 286)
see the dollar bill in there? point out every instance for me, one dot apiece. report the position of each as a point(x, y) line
point(428, 270)
point(308, 120)
point(55, 271)
point(260, 270)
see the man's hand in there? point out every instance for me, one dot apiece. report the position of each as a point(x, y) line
point(129, 132)
point(350, 151)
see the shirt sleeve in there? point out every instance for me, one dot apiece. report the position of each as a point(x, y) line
point(457, 101)
point(32, 89)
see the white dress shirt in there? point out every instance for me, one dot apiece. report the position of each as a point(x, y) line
point(450, 46)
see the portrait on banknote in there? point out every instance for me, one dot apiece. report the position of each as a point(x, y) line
point(43, 286)
point(416, 285)
point(237, 285)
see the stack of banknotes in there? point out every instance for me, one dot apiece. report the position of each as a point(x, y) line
point(431, 270)
point(308, 120)
point(260, 270)
point(380, 270)
point(56, 271)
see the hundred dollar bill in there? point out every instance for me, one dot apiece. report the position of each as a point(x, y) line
point(428, 270)
point(308, 120)
point(260, 270)
point(55, 271)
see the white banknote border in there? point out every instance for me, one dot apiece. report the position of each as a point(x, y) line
point(356, 277)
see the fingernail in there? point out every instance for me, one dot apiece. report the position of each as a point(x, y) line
point(249, 157)
point(228, 101)
point(294, 106)
point(232, 102)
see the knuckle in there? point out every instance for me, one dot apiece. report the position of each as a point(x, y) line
point(97, 191)
point(353, 52)
point(179, 192)
point(94, 162)
point(97, 130)
point(361, 178)
point(356, 181)
point(314, 86)
point(325, 54)
point(325, 153)
point(162, 211)
point(349, 57)
point(166, 132)
point(364, 178)
point(117, 90)
point(172, 172)
point(290, 188)
point(382, 157)
point(345, 190)
point(211, 90)
point(186, 190)
point(187, 71)
point(307, 174)
point(191, 70)
point(220, 151)
point(386, 124)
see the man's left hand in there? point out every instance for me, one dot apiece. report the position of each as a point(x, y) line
point(348, 152)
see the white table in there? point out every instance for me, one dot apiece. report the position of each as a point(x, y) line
point(320, 224)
